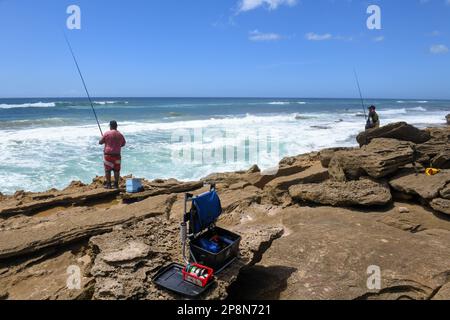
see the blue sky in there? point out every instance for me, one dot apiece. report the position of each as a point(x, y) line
point(226, 48)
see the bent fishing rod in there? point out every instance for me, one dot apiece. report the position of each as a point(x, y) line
point(360, 94)
point(84, 83)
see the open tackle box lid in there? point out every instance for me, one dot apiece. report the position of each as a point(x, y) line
point(171, 278)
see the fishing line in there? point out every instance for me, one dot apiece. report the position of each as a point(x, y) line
point(360, 94)
point(84, 83)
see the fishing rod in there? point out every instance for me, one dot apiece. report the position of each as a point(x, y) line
point(84, 83)
point(360, 94)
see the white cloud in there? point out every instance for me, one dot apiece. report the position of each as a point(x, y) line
point(259, 36)
point(318, 37)
point(439, 49)
point(247, 5)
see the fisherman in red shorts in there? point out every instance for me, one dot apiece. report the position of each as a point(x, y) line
point(113, 141)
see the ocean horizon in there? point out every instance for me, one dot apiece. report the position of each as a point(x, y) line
point(49, 142)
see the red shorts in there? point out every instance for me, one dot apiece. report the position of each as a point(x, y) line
point(112, 163)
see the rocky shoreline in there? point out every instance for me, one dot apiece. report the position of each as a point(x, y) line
point(309, 232)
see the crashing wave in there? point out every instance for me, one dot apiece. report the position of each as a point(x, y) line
point(28, 105)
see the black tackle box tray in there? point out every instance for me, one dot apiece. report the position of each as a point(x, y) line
point(171, 278)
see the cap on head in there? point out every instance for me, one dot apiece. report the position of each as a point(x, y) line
point(113, 124)
point(372, 108)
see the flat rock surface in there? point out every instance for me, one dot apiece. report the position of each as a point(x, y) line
point(363, 192)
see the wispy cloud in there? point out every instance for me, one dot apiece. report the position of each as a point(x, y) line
point(258, 36)
point(439, 49)
point(311, 36)
point(248, 5)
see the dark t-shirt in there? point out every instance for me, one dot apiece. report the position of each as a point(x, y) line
point(375, 118)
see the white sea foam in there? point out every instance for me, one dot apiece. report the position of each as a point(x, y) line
point(284, 103)
point(279, 103)
point(29, 105)
point(391, 111)
point(55, 104)
point(102, 103)
point(47, 157)
point(418, 109)
point(412, 101)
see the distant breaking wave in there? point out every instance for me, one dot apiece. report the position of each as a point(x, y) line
point(59, 104)
point(29, 105)
point(419, 101)
point(394, 111)
point(283, 103)
point(418, 109)
point(110, 102)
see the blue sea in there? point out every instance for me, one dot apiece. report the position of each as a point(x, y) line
point(47, 143)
